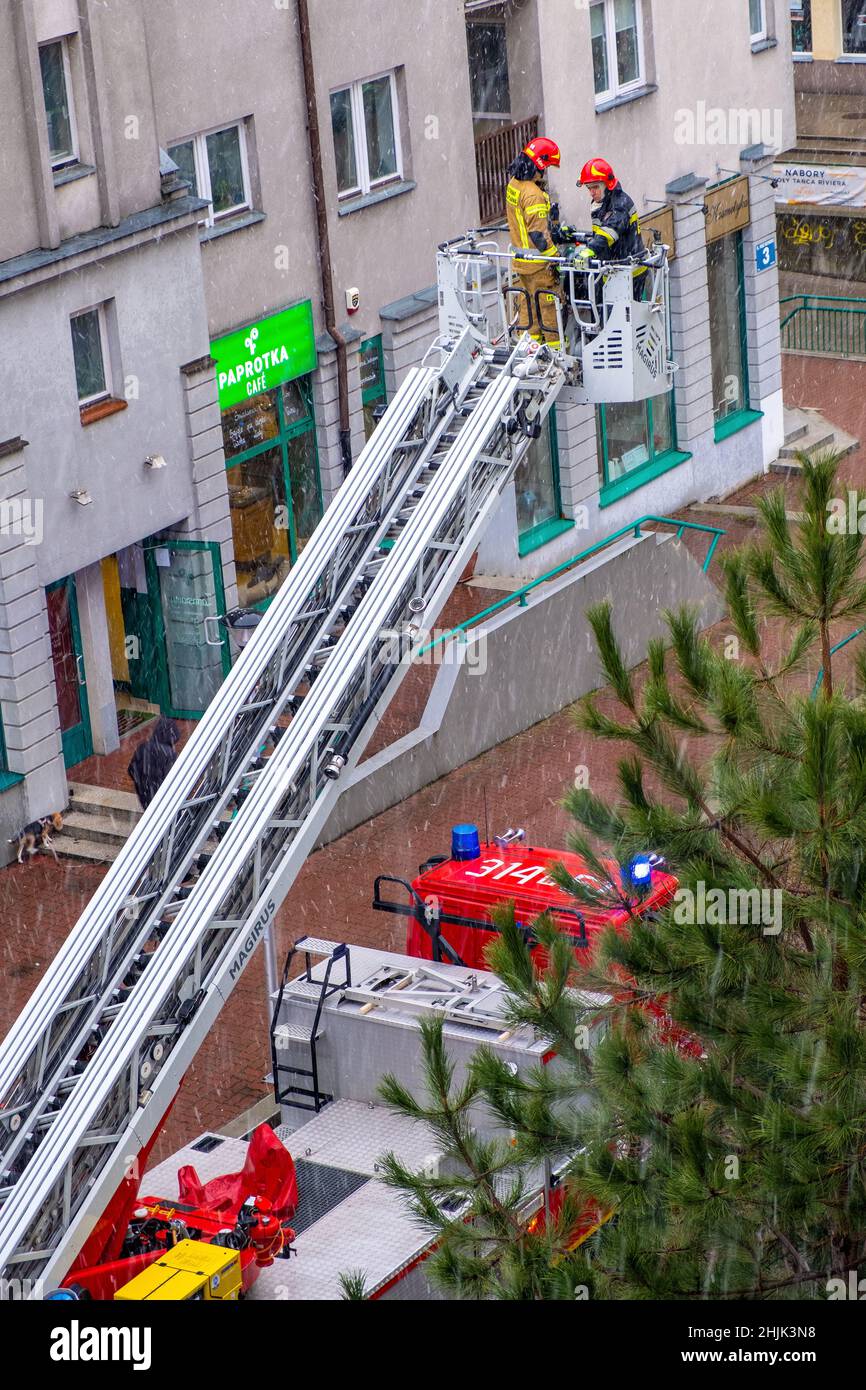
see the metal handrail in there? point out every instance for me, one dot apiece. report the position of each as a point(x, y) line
point(520, 595)
point(829, 323)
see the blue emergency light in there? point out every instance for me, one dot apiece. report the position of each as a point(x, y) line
point(465, 842)
point(639, 871)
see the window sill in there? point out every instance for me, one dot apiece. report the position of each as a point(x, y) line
point(10, 779)
point(763, 45)
point(543, 534)
point(381, 195)
point(851, 58)
point(639, 477)
point(736, 422)
point(231, 224)
point(610, 103)
point(802, 57)
point(100, 410)
point(68, 173)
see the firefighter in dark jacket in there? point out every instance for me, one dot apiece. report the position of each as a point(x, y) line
point(528, 211)
point(615, 222)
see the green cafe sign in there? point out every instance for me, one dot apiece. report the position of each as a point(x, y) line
point(265, 354)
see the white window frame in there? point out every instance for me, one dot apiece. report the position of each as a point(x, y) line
point(759, 34)
point(202, 170)
point(72, 158)
point(359, 131)
point(617, 88)
point(102, 320)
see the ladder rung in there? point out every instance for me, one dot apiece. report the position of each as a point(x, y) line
point(315, 946)
point(307, 989)
point(292, 1032)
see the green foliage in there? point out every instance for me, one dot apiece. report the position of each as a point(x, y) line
point(740, 1172)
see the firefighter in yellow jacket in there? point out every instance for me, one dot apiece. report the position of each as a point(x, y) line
point(528, 211)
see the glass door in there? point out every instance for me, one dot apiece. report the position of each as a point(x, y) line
point(184, 580)
point(69, 677)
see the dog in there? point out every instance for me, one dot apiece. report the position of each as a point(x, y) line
point(37, 836)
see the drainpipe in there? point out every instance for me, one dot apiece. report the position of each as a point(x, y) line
point(324, 242)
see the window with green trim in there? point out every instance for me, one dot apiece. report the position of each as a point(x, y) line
point(728, 346)
point(275, 494)
point(634, 437)
point(536, 484)
point(373, 392)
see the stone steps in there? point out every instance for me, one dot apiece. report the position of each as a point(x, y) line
point(97, 823)
point(808, 433)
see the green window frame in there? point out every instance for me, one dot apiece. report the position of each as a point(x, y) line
point(7, 778)
point(534, 537)
point(377, 394)
point(612, 489)
point(286, 432)
point(739, 419)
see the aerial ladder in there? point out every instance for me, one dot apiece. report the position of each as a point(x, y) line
point(92, 1065)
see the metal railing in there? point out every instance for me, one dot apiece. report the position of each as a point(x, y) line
point(493, 154)
point(521, 596)
point(823, 323)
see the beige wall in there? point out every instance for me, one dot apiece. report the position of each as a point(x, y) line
point(386, 250)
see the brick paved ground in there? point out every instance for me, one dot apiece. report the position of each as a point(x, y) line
point(524, 781)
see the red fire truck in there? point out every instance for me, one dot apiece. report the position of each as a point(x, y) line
point(449, 904)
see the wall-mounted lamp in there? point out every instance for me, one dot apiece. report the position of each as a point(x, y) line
point(82, 497)
point(765, 178)
point(154, 461)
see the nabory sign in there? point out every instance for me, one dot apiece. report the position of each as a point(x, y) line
point(265, 354)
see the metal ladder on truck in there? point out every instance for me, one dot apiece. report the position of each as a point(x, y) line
point(94, 1062)
point(304, 1036)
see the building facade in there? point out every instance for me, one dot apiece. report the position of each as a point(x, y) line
point(171, 428)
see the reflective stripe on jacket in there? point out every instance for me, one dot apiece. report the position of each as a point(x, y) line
point(527, 208)
point(615, 228)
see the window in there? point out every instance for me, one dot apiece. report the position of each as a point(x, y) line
point(366, 128)
point(536, 486)
point(215, 166)
point(273, 484)
point(617, 48)
point(90, 351)
point(853, 26)
point(488, 69)
point(57, 91)
point(634, 436)
point(757, 19)
point(801, 26)
point(728, 327)
point(373, 394)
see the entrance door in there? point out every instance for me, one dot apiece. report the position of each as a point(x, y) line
point(69, 677)
point(184, 580)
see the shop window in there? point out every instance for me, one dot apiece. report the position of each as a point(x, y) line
point(216, 167)
point(801, 26)
point(617, 48)
point(728, 327)
point(488, 69)
point(366, 127)
point(273, 484)
point(635, 441)
point(59, 111)
point(373, 394)
point(536, 486)
point(853, 26)
point(90, 352)
point(758, 19)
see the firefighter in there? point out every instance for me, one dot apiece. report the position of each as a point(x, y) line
point(615, 222)
point(529, 215)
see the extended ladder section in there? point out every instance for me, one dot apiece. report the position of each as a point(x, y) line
point(91, 1067)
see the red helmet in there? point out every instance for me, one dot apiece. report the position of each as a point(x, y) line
point(598, 171)
point(543, 153)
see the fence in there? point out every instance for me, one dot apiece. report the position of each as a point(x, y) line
point(823, 323)
point(493, 154)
